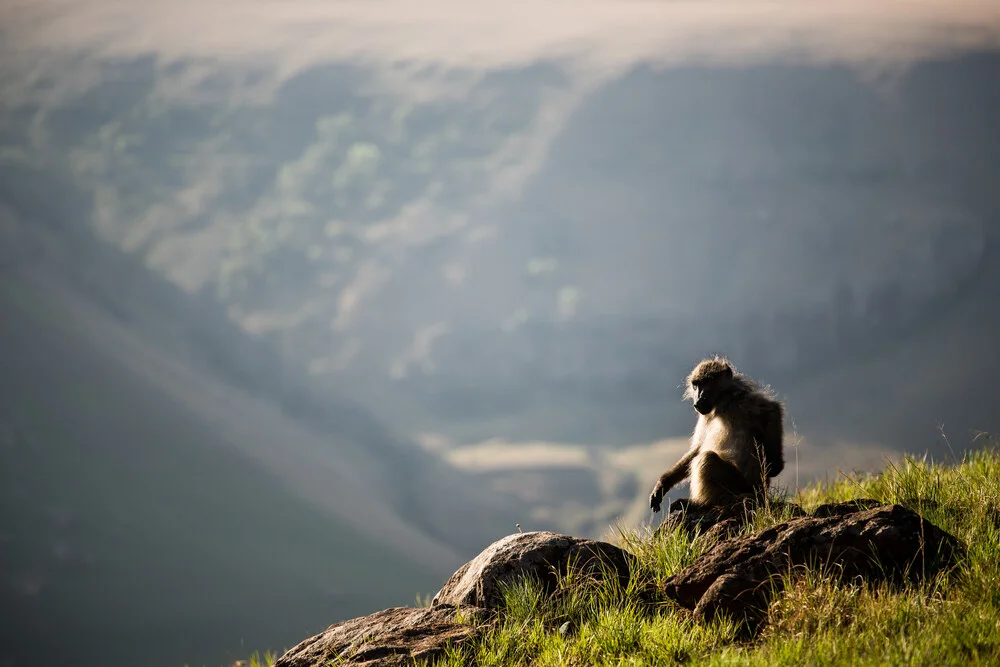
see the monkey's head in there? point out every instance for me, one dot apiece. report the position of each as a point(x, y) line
point(708, 382)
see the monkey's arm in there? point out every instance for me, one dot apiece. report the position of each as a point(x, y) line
point(773, 440)
point(671, 478)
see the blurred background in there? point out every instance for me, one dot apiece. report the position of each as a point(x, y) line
point(304, 304)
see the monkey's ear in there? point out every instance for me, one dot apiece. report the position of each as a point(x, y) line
point(727, 372)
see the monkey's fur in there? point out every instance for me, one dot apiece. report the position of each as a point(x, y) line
point(736, 447)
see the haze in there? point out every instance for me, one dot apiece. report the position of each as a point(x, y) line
point(303, 304)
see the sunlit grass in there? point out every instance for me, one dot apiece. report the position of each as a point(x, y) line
point(257, 660)
point(814, 619)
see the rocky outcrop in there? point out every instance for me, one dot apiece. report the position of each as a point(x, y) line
point(887, 543)
point(402, 635)
point(736, 577)
point(541, 556)
point(396, 636)
point(715, 523)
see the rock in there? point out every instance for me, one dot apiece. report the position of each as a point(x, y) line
point(736, 594)
point(722, 530)
point(884, 543)
point(538, 555)
point(397, 636)
point(845, 508)
point(918, 504)
point(694, 520)
point(402, 635)
point(714, 523)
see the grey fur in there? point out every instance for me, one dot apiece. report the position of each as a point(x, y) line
point(737, 444)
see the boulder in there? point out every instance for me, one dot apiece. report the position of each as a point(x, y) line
point(396, 636)
point(714, 523)
point(849, 540)
point(402, 635)
point(887, 543)
point(845, 508)
point(538, 555)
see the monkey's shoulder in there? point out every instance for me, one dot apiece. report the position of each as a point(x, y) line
point(762, 405)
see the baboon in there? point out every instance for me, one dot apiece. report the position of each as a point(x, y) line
point(736, 447)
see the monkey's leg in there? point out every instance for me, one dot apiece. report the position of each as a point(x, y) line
point(721, 482)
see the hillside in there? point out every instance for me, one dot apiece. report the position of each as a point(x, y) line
point(513, 260)
point(815, 620)
point(300, 311)
point(813, 615)
point(132, 523)
point(163, 495)
point(356, 247)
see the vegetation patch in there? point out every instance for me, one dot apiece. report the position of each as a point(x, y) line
point(814, 617)
point(931, 596)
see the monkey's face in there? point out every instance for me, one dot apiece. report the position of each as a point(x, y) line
point(703, 398)
point(706, 391)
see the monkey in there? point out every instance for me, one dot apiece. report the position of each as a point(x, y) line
point(736, 447)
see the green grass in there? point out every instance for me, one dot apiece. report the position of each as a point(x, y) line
point(953, 619)
point(257, 660)
point(813, 620)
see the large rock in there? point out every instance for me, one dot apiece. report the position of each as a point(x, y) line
point(538, 555)
point(397, 636)
point(885, 543)
point(402, 635)
point(715, 523)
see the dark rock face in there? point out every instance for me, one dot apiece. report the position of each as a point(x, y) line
point(396, 636)
point(713, 522)
point(884, 543)
point(538, 555)
point(845, 508)
point(402, 635)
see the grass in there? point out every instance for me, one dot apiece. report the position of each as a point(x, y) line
point(257, 660)
point(813, 620)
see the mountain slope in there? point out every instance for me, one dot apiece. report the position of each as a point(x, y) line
point(153, 512)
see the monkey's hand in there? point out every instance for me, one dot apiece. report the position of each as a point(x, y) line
point(656, 497)
point(671, 478)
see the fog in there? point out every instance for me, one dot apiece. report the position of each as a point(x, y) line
point(302, 306)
